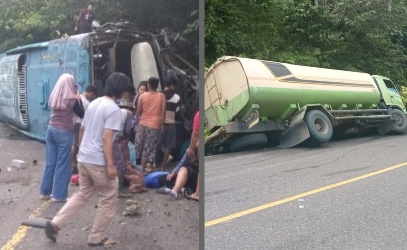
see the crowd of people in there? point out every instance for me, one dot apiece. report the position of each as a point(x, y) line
point(90, 138)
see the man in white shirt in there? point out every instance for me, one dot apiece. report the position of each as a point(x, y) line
point(97, 171)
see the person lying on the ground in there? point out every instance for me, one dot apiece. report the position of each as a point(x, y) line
point(183, 177)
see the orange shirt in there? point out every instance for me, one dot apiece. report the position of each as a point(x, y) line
point(151, 109)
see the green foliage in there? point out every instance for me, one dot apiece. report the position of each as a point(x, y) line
point(206, 132)
point(24, 22)
point(357, 35)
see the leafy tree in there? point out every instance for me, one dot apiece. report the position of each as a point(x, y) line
point(31, 21)
point(358, 35)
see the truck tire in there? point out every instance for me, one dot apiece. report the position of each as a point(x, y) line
point(319, 126)
point(401, 120)
point(246, 142)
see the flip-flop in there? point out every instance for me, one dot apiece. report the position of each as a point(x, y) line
point(106, 242)
point(50, 231)
point(187, 196)
point(191, 199)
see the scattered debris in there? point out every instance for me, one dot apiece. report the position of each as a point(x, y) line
point(9, 169)
point(86, 228)
point(18, 164)
point(131, 208)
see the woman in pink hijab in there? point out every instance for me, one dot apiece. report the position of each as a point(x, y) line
point(64, 102)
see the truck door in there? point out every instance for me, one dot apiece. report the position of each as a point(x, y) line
point(389, 92)
point(395, 96)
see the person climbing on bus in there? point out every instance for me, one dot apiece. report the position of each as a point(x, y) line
point(85, 20)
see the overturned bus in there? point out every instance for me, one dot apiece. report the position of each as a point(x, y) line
point(28, 73)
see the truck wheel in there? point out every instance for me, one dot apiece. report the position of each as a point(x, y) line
point(246, 142)
point(401, 120)
point(319, 126)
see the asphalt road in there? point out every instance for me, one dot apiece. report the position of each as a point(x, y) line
point(309, 201)
point(161, 223)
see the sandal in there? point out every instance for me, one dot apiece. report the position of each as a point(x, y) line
point(44, 197)
point(191, 198)
point(51, 231)
point(188, 197)
point(106, 242)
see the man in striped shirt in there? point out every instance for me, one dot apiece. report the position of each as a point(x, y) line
point(169, 133)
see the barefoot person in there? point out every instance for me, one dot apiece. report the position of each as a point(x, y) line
point(96, 165)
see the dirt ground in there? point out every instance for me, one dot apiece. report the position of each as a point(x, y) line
point(161, 222)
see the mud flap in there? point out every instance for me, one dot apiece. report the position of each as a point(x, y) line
point(294, 135)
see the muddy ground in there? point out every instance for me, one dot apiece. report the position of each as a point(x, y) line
point(162, 223)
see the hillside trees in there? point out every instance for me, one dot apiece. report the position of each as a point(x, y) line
point(29, 21)
point(359, 35)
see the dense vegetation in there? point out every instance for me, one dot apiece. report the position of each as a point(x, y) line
point(30, 21)
point(358, 35)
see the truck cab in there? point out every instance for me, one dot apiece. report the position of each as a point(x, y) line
point(390, 94)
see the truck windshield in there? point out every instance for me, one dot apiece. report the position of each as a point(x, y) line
point(390, 85)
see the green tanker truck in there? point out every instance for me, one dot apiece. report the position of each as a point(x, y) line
point(249, 102)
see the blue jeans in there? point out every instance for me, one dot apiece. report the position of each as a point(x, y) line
point(181, 163)
point(57, 171)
